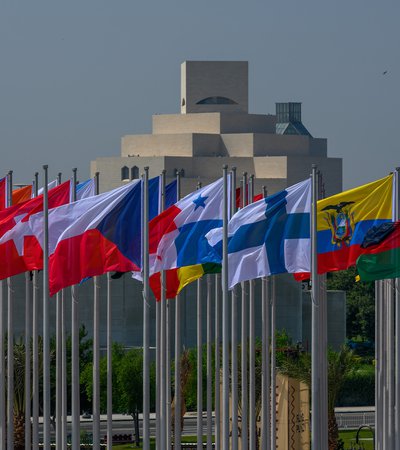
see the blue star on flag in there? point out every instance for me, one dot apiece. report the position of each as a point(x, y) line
point(200, 201)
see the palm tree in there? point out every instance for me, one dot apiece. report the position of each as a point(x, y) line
point(297, 365)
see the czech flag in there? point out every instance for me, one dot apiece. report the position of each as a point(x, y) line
point(93, 236)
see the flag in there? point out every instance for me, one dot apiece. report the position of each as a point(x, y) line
point(93, 236)
point(50, 185)
point(177, 235)
point(85, 189)
point(381, 257)
point(177, 279)
point(238, 195)
point(19, 249)
point(269, 237)
point(18, 195)
point(22, 194)
point(344, 219)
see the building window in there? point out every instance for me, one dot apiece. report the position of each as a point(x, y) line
point(216, 101)
point(134, 173)
point(125, 174)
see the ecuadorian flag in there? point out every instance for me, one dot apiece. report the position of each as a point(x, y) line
point(345, 218)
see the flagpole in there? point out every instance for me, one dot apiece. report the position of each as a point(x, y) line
point(46, 319)
point(252, 356)
point(2, 371)
point(10, 342)
point(209, 366)
point(199, 363)
point(96, 351)
point(217, 389)
point(234, 337)
point(28, 333)
point(273, 363)
point(244, 369)
point(397, 322)
point(323, 343)
point(163, 337)
point(75, 387)
point(58, 362)
point(315, 369)
point(178, 398)
point(64, 400)
point(146, 314)
point(35, 349)
point(378, 410)
point(109, 364)
point(225, 310)
point(266, 378)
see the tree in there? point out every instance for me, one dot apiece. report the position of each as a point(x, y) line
point(360, 303)
point(296, 364)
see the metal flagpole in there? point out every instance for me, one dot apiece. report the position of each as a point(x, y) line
point(168, 377)
point(266, 378)
point(75, 388)
point(252, 356)
point(159, 442)
point(323, 344)
point(315, 369)
point(109, 364)
point(244, 368)
point(378, 408)
point(225, 328)
point(390, 361)
point(273, 363)
point(199, 363)
point(199, 368)
point(146, 314)
point(177, 400)
point(234, 338)
point(383, 364)
point(46, 318)
point(10, 343)
point(28, 333)
point(96, 351)
point(64, 400)
point(2, 372)
point(35, 349)
point(209, 365)
point(397, 321)
point(217, 390)
point(58, 362)
point(163, 338)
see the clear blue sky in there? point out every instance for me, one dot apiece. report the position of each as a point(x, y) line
point(77, 75)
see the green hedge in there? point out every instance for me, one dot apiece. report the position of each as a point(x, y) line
point(359, 388)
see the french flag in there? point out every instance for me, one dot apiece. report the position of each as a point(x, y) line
point(17, 243)
point(93, 236)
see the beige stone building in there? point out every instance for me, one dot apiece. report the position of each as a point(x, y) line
point(215, 128)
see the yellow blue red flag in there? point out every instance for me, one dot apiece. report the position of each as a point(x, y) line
point(345, 218)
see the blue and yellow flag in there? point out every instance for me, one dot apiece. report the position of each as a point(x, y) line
point(345, 218)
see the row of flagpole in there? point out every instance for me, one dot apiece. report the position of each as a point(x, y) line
point(387, 353)
point(247, 339)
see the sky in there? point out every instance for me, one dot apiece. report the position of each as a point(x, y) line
point(76, 76)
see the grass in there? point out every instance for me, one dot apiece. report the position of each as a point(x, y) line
point(348, 436)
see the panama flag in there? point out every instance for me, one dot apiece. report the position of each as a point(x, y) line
point(177, 236)
point(270, 236)
point(93, 236)
point(16, 238)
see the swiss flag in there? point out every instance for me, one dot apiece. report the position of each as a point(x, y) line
point(22, 251)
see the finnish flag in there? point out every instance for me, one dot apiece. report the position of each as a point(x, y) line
point(270, 236)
